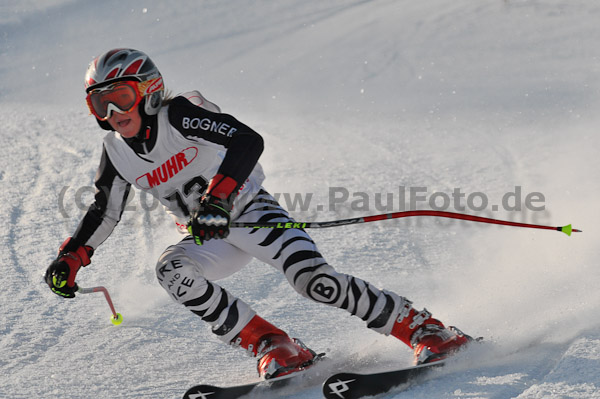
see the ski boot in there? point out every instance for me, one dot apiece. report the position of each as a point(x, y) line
point(277, 353)
point(434, 342)
point(429, 338)
point(282, 355)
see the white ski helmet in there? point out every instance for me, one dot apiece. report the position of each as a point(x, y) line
point(125, 64)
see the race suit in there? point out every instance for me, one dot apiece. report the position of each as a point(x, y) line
point(183, 147)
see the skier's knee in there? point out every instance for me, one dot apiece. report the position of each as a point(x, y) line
point(178, 275)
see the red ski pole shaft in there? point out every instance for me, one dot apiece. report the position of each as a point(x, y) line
point(397, 215)
point(106, 295)
point(116, 318)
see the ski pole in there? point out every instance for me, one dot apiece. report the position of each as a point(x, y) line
point(116, 318)
point(397, 215)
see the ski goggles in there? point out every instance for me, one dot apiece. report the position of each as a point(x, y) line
point(120, 97)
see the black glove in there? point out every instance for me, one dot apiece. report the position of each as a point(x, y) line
point(60, 275)
point(212, 218)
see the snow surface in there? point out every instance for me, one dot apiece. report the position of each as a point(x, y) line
point(368, 96)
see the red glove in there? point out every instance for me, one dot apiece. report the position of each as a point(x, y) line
point(222, 187)
point(60, 275)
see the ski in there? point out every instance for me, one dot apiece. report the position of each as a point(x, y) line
point(305, 377)
point(215, 392)
point(237, 391)
point(354, 385)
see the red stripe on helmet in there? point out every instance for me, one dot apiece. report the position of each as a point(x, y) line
point(134, 67)
point(113, 73)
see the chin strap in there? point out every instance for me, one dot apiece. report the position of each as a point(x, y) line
point(143, 135)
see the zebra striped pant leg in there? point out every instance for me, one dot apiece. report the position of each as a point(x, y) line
point(182, 271)
point(293, 252)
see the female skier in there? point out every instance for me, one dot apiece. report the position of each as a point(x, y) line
point(202, 165)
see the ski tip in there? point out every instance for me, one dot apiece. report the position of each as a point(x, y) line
point(568, 230)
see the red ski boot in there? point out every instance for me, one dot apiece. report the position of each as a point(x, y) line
point(428, 337)
point(282, 355)
point(433, 342)
point(277, 353)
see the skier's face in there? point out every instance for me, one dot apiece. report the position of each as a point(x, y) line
point(127, 125)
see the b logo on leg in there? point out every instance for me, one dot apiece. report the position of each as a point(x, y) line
point(324, 288)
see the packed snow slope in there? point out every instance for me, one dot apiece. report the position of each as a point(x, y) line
point(455, 101)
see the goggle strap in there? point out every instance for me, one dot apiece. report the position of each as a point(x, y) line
point(150, 86)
